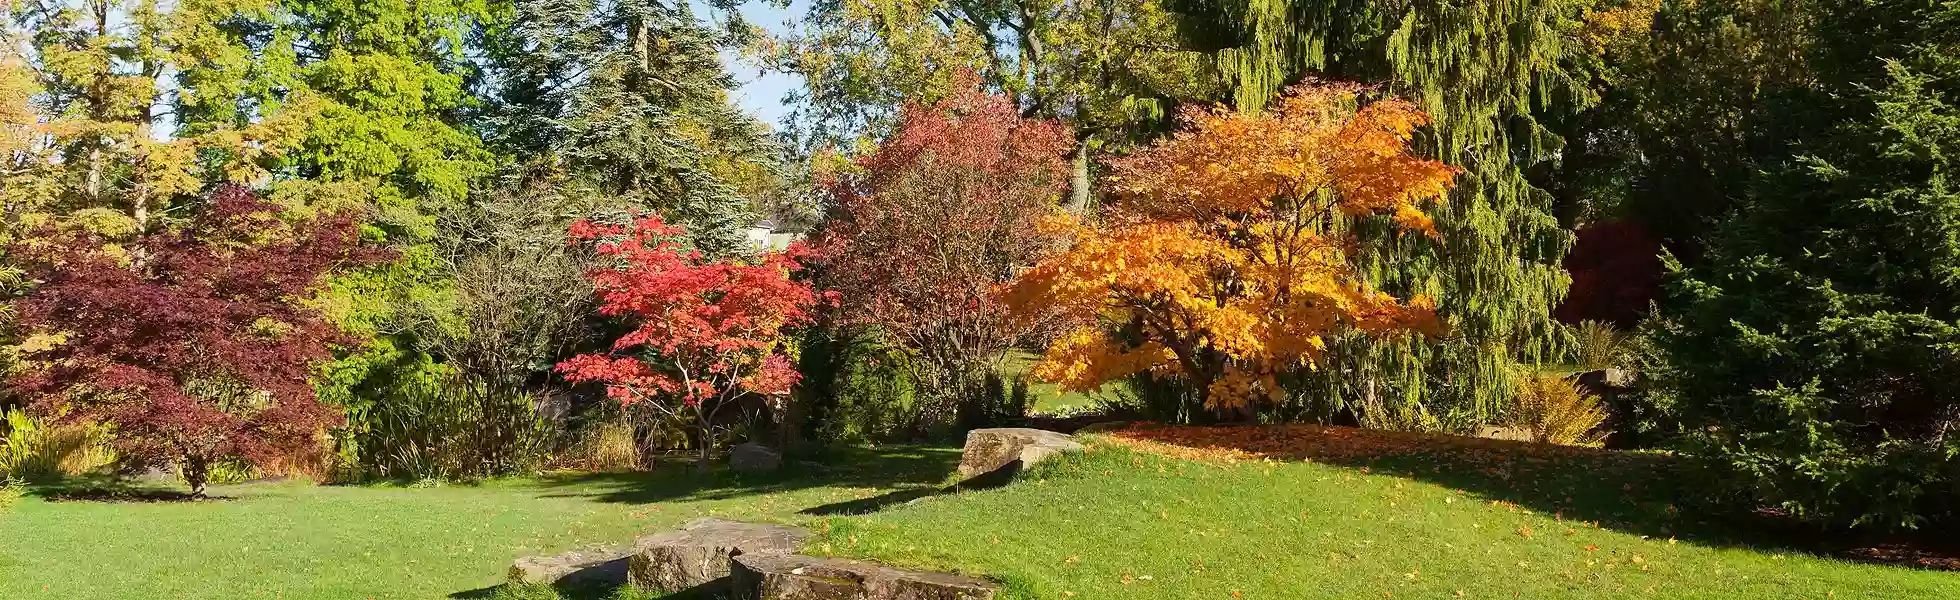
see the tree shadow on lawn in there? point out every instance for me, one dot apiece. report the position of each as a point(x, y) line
point(115, 490)
point(887, 467)
point(912, 469)
point(984, 481)
point(1639, 492)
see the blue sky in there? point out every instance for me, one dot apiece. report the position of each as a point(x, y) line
point(762, 93)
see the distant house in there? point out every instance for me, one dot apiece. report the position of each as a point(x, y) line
point(768, 235)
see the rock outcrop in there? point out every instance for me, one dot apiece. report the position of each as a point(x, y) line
point(716, 558)
point(699, 553)
point(990, 450)
point(598, 565)
point(794, 577)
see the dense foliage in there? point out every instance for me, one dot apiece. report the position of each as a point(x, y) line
point(219, 365)
point(707, 334)
point(922, 230)
point(627, 100)
point(1751, 202)
point(1111, 71)
point(1217, 258)
point(1485, 72)
point(1811, 348)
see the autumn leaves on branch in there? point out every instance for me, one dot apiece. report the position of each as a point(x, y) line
point(1220, 258)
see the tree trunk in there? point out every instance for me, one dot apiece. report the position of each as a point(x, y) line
point(1078, 180)
point(197, 473)
point(707, 443)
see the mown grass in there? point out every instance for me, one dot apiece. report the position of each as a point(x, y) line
point(1292, 513)
point(1120, 523)
point(1049, 399)
point(299, 541)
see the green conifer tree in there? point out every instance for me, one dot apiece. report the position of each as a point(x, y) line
point(628, 99)
point(1812, 349)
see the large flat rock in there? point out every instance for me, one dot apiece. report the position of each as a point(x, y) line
point(699, 553)
point(989, 450)
point(599, 565)
point(795, 577)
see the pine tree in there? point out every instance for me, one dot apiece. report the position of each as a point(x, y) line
point(1482, 70)
point(1812, 349)
point(629, 99)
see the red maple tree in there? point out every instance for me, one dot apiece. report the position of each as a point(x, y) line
point(925, 228)
point(193, 342)
point(706, 333)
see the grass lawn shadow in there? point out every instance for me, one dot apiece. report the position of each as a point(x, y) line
point(886, 467)
point(114, 489)
point(985, 481)
point(1645, 493)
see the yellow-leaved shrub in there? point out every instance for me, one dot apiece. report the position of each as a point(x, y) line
point(1555, 410)
point(32, 448)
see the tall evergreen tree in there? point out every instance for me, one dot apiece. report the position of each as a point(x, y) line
point(392, 75)
point(1483, 70)
point(1813, 348)
point(627, 98)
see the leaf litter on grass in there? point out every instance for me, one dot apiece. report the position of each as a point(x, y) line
point(1549, 476)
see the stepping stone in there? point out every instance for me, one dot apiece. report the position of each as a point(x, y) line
point(601, 565)
point(989, 450)
point(698, 554)
point(796, 577)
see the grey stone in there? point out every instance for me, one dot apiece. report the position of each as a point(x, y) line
point(989, 450)
point(754, 458)
point(698, 554)
point(1500, 432)
point(795, 577)
point(605, 564)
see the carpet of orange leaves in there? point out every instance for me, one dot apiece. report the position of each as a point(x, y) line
point(1331, 444)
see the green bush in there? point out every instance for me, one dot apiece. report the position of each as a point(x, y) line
point(32, 448)
point(857, 390)
point(1598, 345)
point(998, 402)
point(447, 428)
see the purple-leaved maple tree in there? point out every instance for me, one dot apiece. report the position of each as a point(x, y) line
point(194, 342)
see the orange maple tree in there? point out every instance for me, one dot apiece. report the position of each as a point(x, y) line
point(1219, 259)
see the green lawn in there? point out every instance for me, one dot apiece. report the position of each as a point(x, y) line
point(1489, 521)
point(1049, 399)
point(297, 541)
point(1117, 523)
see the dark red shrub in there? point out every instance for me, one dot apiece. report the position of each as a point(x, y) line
point(194, 342)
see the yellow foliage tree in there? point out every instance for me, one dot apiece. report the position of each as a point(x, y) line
point(1219, 259)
